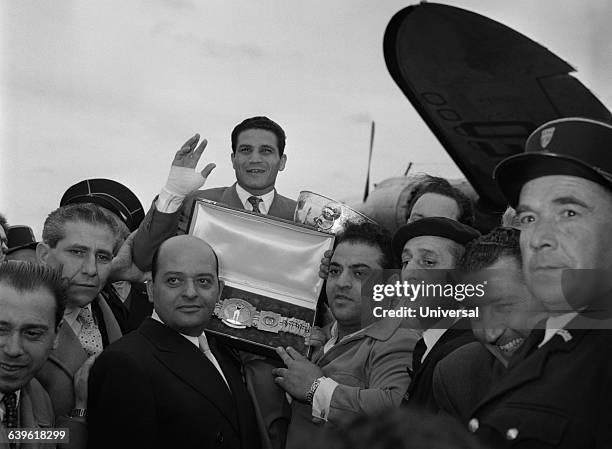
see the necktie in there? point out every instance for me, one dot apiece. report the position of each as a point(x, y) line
point(254, 200)
point(210, 356)
point(10, 410)
point(89, 337)
point(417, 354)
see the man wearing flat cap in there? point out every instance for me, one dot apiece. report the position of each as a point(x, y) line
point(428, 248)
point(558, 388)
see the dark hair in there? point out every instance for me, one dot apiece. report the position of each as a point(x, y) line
point(484, 251)
point(260, 122)
point(3, 223)
point(434, 184)
point(369, 234)
point(390, 430)
point(28, 277)
point(156, 256)
point(54, 228)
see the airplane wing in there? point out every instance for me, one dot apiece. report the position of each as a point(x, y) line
point(480, 86)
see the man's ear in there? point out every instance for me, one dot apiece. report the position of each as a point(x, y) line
point(42, 252)
point(232, 154)
point(149, 286)
point(57, 332)
point(283, 161)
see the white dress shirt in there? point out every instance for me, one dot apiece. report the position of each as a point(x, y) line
point(431, 337)
point(266, 199)
point(169, 203)
point(555, 325)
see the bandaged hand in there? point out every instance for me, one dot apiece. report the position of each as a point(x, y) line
point(183, 179)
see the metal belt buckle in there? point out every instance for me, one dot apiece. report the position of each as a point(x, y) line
point(236, 313)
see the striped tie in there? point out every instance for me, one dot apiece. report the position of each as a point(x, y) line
point(10, 410)
point(254, 200)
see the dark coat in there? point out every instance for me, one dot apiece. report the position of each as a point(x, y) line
point(464, 377)
point(420, 393)
point(155, 389)
point(558, 396)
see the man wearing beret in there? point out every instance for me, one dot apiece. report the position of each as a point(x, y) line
point(432, 243)
point(558, 389)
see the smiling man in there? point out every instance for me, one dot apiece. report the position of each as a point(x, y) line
point(32, 300)
point(507, 314)
point(558, 390)
point(361, 370)
point(79, 240)
point(258, 154)
point(31, 308)
point(167, 384)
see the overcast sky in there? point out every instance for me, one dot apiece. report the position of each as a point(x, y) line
point(113, 88)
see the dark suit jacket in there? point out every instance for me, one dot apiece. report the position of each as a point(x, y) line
point(155, 389)
point(131, 313)
point(157, 227)
point(464, 377)
point(559, 396)
point(420, 392)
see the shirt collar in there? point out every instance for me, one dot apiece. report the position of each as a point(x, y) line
point(556, 323)
point(266, 198)
point(193, 340)
point(431, 337)
point(71, 315)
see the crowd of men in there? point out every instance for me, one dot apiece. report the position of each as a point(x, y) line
point(102, 321)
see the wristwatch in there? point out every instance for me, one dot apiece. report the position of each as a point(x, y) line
point(313, 388)
point(240, 314)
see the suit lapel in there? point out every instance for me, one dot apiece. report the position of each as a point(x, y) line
point(230, 197)
point(109, 322)
point(456, 335)
point(32, 413)
point(190, 365)
point(69, 354)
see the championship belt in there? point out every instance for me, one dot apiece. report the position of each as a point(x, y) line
point(240, 314)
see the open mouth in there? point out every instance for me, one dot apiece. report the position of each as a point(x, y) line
point(11, 368)
point(256, 171)
point(511, 345)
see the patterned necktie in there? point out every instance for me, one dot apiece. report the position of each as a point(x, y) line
point(90, 337)
point(254, 200)
point(10, 410)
